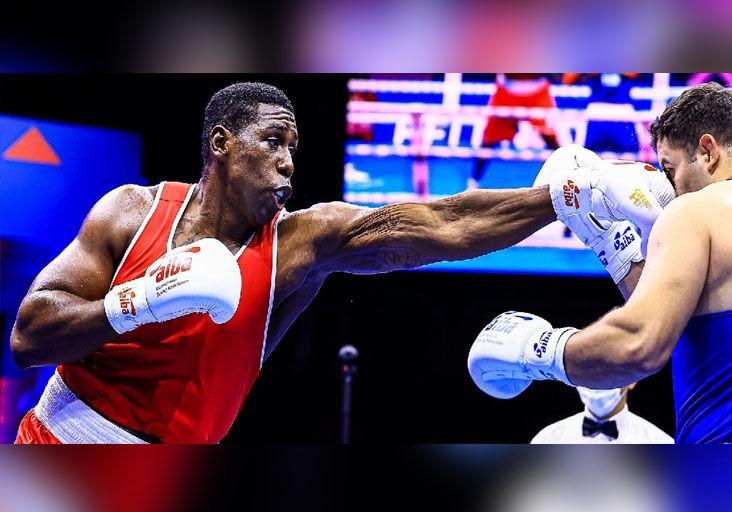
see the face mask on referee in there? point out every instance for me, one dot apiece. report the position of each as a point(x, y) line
point(601, 402)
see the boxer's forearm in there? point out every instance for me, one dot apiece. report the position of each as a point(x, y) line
point(482, 221)
point(616, 351)
point(56, 327)
point(459, 227)
point(630, 281)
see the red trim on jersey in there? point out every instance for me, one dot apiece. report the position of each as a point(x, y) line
point(185, 380)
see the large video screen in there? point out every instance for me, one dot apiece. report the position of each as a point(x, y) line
point(423, 137)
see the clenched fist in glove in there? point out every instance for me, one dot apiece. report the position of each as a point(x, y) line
point(515, 349)
point(613, 191)
point(202, 277)
point(616, 243)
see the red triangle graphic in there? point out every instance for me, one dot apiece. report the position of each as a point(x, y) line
point(33, 147)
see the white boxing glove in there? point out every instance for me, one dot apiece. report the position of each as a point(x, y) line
point(613, 190)
point(202, 277)
point(616, 244)
point(515, 349)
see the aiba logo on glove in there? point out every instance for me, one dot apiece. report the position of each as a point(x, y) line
point(125, 302)
point(540, 346)
point(506, 322)
point(174, 266)
point(625, 239)
point(570, 194)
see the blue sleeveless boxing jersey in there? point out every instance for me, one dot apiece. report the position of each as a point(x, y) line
point(702, 375)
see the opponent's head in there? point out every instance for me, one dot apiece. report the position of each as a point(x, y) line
point(693, 137)
point(249, 137)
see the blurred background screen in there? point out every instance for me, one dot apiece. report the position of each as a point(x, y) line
point(423, 137)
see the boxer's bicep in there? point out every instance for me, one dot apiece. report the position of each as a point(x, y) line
point(62, 317)
point(80, 270)
point(675, 272)
point(85, 267)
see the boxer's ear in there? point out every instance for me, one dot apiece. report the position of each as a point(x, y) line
point(217, 140)
point(710, 152)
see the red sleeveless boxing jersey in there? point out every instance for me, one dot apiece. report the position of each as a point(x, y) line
point(184, 380)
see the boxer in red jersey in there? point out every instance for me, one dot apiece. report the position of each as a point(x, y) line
point(160, 313)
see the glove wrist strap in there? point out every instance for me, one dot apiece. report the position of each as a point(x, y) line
point(127, 307)
point(617, 249)
point(563, 335)
point(544, 360)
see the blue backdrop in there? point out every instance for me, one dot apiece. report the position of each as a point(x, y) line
point(51, 174)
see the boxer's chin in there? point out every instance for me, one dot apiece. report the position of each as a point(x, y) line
point(266, 214)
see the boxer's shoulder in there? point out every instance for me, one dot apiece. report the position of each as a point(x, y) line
point(717, 192)
point(703, 204)
point(117, 216)
point(691, 203)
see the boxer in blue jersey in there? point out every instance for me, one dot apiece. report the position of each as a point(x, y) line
point(681, 305)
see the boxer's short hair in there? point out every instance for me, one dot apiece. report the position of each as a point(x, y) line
point(705, 108)
point(235, 106)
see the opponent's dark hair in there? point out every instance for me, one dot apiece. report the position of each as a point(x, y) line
point(705, 108)
point(235, 106)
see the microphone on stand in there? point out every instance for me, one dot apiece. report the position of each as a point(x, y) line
point(347, 355)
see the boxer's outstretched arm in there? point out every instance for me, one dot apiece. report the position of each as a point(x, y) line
point(637, 340)
point(407, 235)
point(62, 317)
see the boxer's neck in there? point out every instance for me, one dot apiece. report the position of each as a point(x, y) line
point(211, 212)
point(724, 171)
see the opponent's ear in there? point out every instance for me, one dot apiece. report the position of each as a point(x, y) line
point(709, 152)
point(218, 141)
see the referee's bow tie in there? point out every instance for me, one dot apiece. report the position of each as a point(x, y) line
point(591, 428)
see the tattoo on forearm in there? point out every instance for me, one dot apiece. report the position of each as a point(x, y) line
point(377, 233)
point(383, 221)
point(384, 260)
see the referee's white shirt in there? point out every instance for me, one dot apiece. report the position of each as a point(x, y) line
point(632, 429)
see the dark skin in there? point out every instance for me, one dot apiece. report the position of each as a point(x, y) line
point(62, 318)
